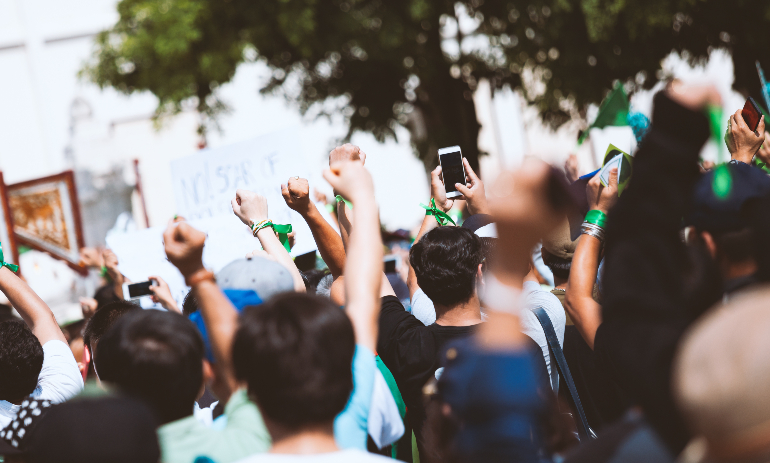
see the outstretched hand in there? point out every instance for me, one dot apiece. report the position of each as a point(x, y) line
point(296, 193)
point(473, 192)
point(184, 247)
point(602, 197)
point(250, 207)
point(351, 180)
point(346, 152)
point(742, 142)
point(520, 206)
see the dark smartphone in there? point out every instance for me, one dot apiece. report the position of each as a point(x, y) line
point(305, 262)
point(390, 264)
point(137, 290)
point(751, 113)
point(452, 169)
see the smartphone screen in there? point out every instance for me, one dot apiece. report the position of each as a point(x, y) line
point(452, 170)
point(751, 113)
point(139, 289)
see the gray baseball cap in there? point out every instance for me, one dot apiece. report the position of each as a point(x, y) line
point(263, 276)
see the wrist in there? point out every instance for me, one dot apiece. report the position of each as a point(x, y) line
point(742, 156)
point(198, 276)
point(310, 211)
point(440, 205)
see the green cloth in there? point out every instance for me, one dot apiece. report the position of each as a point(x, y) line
point(391, 381)
point(613, 111)
point(245, 434)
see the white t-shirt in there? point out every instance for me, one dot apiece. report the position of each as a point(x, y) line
point(532, 297)
point(343, 456)
point(58, 381)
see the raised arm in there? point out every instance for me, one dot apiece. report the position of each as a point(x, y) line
point(364, 267)
point(296, 193)
point(111, 265)
point(32, 309)
point(184, 248)
point(585, 312)
point(438, 194)
point(251, 208)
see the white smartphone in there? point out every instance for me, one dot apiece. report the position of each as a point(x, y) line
point(452, 169)
point(136, 290)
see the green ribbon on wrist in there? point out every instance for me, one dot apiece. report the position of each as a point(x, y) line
point(441, 217)
point(339, 198)
point(3, 263)
point(597, 218)
point(282, 231)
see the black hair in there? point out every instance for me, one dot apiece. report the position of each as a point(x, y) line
point(295, 353)
point(21, 359)
point(103, 319)
point(559, 266)
point(446, 261)
point(189, 305)
point(105, 295)
point(311, 278)
point(156, 356)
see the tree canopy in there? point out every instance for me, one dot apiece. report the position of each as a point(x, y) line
point(415, 63)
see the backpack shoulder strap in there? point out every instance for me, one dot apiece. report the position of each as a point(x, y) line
point(558, 355)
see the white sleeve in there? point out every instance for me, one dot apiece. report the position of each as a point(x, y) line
point(60, 377)
point(422, 308)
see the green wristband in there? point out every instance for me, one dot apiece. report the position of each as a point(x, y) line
point(339, 198)
point(597, 218)
point(442, 217)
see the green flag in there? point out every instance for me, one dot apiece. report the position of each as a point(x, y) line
point(612, 112)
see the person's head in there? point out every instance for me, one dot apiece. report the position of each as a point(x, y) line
point(721, 215)
point(295, 353)
point(21, 359)
point(718, 377)
point(96, 429)
point(557, 251)
point(264, 276)
point(102, 320)
point(156, 356)
point(447, 264)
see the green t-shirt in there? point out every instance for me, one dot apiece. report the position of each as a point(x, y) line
point(245, 434)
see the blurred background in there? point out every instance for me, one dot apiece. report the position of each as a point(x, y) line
point(116, 90)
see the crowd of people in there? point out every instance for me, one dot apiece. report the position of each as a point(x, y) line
point(560, 322)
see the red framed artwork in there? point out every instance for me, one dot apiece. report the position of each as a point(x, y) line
point(46, 216)
point(7, 238)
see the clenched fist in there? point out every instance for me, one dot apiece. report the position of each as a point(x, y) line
point(296, 193)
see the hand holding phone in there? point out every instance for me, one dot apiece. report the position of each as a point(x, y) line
point(452, 169)
point(133, 291)
point(742, 141)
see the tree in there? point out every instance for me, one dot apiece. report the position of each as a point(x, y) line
point(416, 63)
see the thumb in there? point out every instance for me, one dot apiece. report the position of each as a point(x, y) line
point(284, 191)
point(761, 126)
point(464, 190)
point(614, 178)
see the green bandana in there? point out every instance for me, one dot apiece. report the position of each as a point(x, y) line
point(441, 217)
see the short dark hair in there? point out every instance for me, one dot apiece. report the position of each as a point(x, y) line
point(295, 352)
point(21, 359)
point(103, 319)
point(156, 356)
point(189, 305)
point(559, 266)
point(446, 261)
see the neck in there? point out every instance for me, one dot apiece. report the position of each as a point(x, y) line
point(559, 283)
point(305, 441)
point(467, 313)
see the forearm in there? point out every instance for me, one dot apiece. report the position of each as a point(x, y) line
point(343, 217)
point(428, 224)
point(363, 272)
point(221, 321)
point(583, 310)
point(328, 241)
point(32, 309)
point(273, 246)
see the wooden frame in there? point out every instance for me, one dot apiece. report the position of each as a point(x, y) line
point(56, 195)
point(7, 237)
